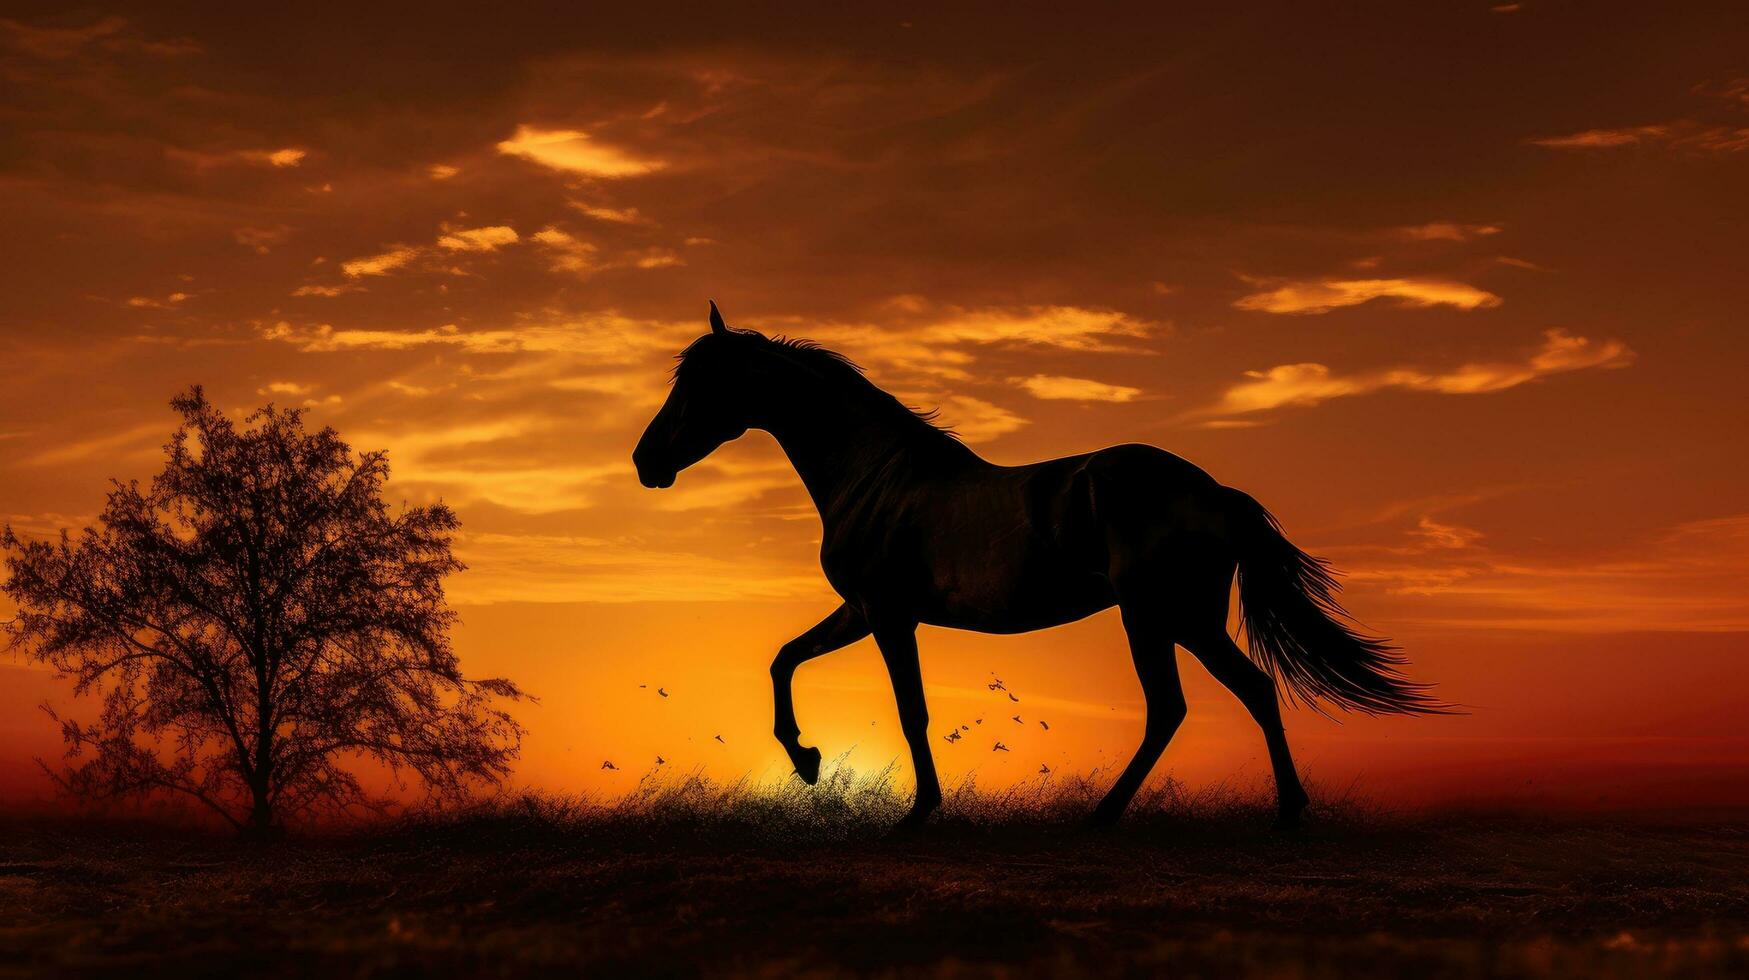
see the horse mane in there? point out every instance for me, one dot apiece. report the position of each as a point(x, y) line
point(847, 376)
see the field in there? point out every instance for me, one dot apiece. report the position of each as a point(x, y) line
point(689, 878)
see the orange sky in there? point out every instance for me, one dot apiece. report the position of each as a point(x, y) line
point(1456, 292)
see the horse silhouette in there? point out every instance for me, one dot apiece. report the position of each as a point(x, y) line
point(917, 528)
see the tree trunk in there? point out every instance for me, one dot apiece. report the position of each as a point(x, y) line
point(261, 825)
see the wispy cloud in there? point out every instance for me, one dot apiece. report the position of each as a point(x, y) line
point(1310, 384)
point(290, 156)
point(1681, 134)
point(574, 151)
point(485, 239)
point(138, 442)
point(1056, 387)
point(607, 337)
point(1063, 327)
point(1593, 139)
point(576, 568)
point(154, 303)
point(623, 216)
point(1446, 231)
point(567, 252)
point(1324, 295)
point(1694, 576)
point(976, 420)
point(380, 264)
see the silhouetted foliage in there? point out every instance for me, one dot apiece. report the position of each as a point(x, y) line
point(254, 619)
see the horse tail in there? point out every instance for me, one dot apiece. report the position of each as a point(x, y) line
point(1299, 632)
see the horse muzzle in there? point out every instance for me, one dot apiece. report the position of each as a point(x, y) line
point(652, 475)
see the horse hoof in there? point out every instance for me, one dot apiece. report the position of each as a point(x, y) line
point(808, 765)
point(910, 823)
point(1287, 822)
point(1101, 821)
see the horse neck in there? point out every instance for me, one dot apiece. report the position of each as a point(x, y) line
point(836, 444)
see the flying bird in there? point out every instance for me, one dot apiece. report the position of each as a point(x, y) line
point(661, 761)
point(609, 765)
point(996, 686)
point(1044, 769)
point(977, 721)
point(642, 686)
point(1011, 696)
point(999, 747)
point(1017, 720)
point(1044, 726)
point(951, 737)
point(720, 739)
point(662, 691)
point(965, 728)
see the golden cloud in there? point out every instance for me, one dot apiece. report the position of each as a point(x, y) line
point(380, 264)
point(1324, 295)
point(485, 239)
point(976, 420)
point(573, 151)
point(1309, 384)
point(604, 337)
point(1063, 327)
point(1054, 387)
point(567, 252)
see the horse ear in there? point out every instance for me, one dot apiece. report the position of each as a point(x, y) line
point(717, 324)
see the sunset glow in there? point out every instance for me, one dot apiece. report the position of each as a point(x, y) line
point(1461, 304)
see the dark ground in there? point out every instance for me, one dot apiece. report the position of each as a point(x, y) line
point(733, 881)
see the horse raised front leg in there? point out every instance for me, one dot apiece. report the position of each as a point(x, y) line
point(844, 627)
point(898, 645)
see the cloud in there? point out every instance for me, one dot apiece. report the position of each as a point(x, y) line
point(317, 290)
point(58, 42)
point(261, 240)
point(976, 420)
point(1446, 231)
point(576, 568)
point(380, 264)
point(285, 388)
point(1309, 384)
point(486, 239)
point(1063, 327)
point(1692, 577)
point(624, 216)
point(139, 442)
point(567, 252)
point(441, 171)
point(574, 152)
point(149, 303)
point(605, 337)
point(290, 156)
point(1593, 139)
point(1433, 534)
point(1054, 387)
point(1681, 134)
point(1324, 295)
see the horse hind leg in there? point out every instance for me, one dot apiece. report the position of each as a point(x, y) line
point(1256, 691)
point(1149, 626)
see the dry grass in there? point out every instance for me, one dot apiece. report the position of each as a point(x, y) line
point(688, 877)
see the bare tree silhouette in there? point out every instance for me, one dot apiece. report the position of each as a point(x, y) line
point(254, 620)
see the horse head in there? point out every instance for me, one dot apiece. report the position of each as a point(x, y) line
point(709, 405)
